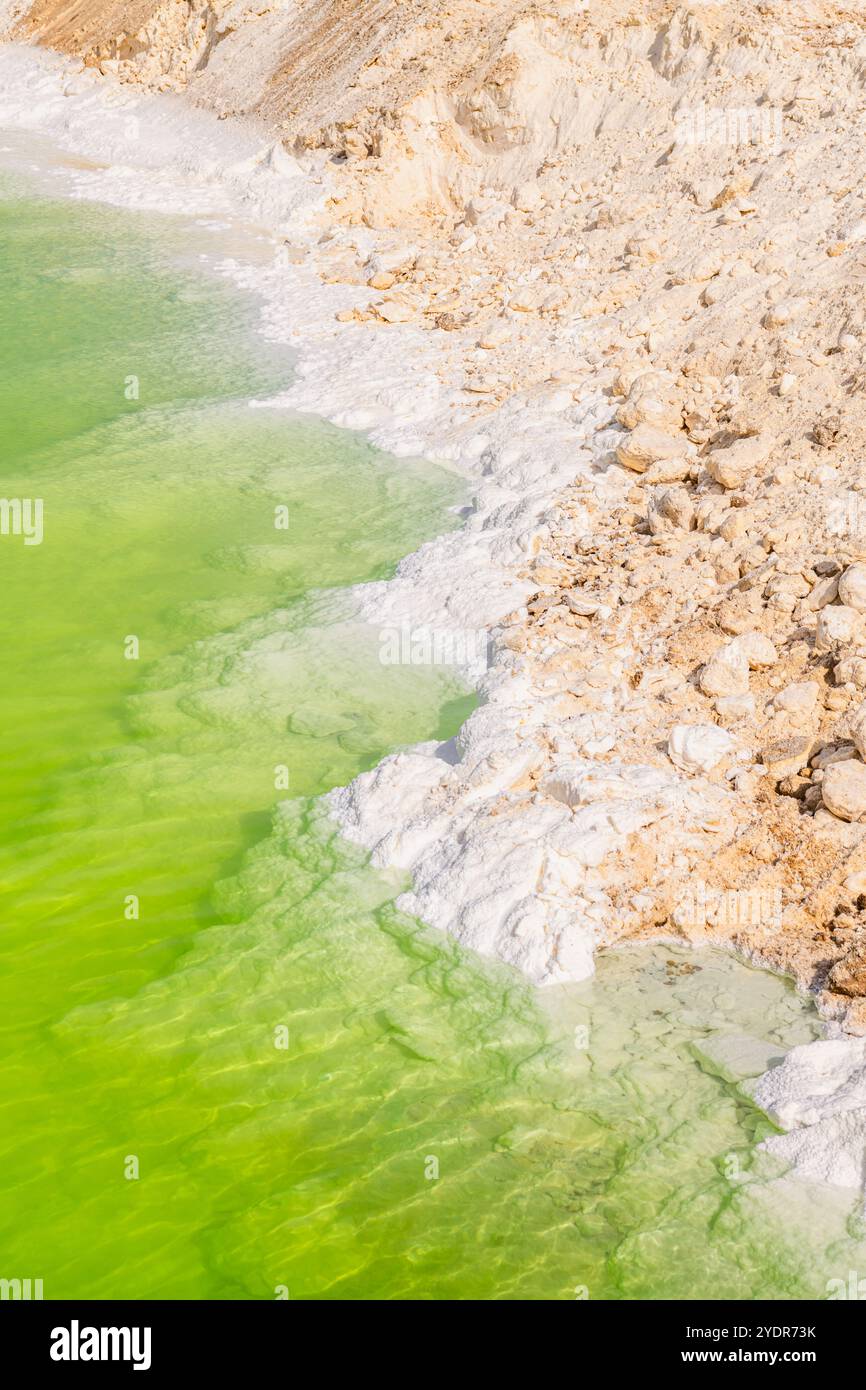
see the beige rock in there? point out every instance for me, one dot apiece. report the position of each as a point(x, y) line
point(735, 706)
point(832, 753)
point(757, 649)
point(838, 700)
point(670, 510)
point(783, 757)
point(734, 525)
point(787, 384)
point(527, 197)
point(799, 698)
point(826, 430)
point(726, 672)
point(584, 605)
point(527, 299)
point(645, 248)
point(700, 268)
point(837, 623)
point(843, 789)
point(698, 747)
point(394, 311)
point(851, 669)
point(857, 729)
point(741, 461)
point(795, 584)
point(667, 471)
point(754, 565)
point(726, 568)
point(824, 592)
point(646, 445)
point(734, 189)
point(737, 614)
point(650, 383)
point(495, 336)
point(625, 378)
point(784, 312)
point(646, 410)
point(852, 587)
point(848, 976)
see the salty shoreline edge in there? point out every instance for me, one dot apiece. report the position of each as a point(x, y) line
point(514, 517)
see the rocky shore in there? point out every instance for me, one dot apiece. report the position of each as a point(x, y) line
point(610, 260)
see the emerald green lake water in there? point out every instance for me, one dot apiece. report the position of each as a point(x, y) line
point(230, 1068)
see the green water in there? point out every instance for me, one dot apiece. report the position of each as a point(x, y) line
point(230, 1068)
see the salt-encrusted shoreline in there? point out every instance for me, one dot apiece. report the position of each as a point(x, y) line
point(519, 459)
point(506, 830)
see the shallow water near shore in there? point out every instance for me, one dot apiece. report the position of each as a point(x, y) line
point(231, 1068)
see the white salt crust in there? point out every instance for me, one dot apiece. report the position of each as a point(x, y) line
point(520, 884)
point(818, 1095)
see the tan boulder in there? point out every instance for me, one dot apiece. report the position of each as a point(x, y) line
point(852, 587)
point(726, 672)
point(741, 461)
point(646, 445)
point(837, 623)
point(843, 789)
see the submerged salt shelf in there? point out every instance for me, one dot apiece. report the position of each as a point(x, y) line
point(422, 811)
